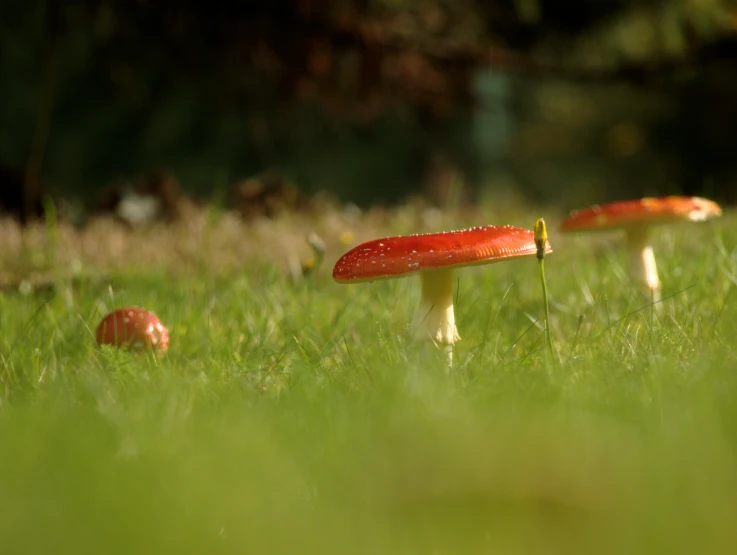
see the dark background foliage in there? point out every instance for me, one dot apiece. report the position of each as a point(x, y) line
point(373, 100)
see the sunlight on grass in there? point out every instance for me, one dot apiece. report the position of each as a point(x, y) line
point(298, 417)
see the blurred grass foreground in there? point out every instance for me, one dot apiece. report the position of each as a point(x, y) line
point(296, 416)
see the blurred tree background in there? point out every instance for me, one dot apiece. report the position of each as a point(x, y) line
point(562, 101)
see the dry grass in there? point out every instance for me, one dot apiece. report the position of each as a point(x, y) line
point(218, 241)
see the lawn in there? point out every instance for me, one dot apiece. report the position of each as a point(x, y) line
point(296, 415)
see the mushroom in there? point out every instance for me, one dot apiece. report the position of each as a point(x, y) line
point(636, 217)
point(434, 256)
point(133, 327)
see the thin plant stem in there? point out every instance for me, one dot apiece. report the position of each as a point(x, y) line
point(548, 340)
point(541, 239)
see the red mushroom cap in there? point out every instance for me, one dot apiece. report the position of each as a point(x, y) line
point(643, 211)
point(393, 256)
point(133, 327)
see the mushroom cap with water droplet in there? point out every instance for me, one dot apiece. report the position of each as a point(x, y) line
point(392, 257)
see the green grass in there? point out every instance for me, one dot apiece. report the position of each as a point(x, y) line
point(298, 418)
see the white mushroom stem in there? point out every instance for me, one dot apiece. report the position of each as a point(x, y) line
point(642, 261)
point(435, 317)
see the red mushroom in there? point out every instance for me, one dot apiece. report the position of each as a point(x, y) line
point(434, 256)
point(133, 327)
point(636, 217)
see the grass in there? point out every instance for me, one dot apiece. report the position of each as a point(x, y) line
point(296, 417)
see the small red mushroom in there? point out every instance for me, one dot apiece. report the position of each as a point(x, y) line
point(133, 327)
point(434, 256)
point(635, 218)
